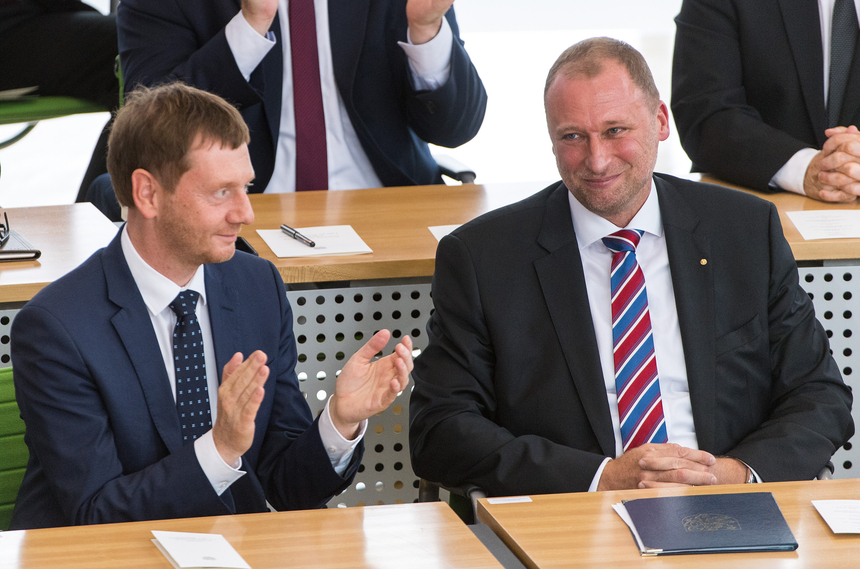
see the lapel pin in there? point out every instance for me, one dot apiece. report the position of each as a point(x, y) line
point(703, 262)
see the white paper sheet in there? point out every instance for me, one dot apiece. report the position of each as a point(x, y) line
point(330, 240)
point(826, 224)
point(843, 516)
point(509, 500)
point(186, 550)
point(440, 231)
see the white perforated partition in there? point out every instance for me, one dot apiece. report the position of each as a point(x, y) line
point(331, 325)
point(835, 292)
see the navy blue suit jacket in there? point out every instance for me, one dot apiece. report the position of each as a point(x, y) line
point(161, 39)
point(101, 421)
point(509, 393)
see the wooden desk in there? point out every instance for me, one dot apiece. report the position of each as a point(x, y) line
point(378, 537)
point(818, 250)
point(582, 530)
point(66, 234)
point(392, 221)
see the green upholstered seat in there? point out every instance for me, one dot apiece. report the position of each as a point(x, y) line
point(13, 451)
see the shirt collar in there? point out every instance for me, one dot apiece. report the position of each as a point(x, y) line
point(590, 227)
point(157, 290)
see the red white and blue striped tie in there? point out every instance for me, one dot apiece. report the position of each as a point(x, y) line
point(640, 407)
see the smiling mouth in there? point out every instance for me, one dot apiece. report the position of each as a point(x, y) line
point(600, 180)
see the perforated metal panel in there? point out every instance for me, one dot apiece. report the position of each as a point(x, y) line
point(331, 325)
point(6, 316)
point(835, 293)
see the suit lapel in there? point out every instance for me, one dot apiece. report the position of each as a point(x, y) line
point(134, 327)
point(563, 284)
point(805, 39)
point(693, 284)
point(347, 22)
point(226, 327)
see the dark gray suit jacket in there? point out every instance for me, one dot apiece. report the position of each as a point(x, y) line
point(509, 394)
point(748, 86)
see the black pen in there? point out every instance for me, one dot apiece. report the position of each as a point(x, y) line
point(297, 236)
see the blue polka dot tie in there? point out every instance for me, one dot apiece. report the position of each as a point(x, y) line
point(640, 406)
point(192, 393)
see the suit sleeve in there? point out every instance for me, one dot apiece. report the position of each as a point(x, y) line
point(722, 133)
point(455, 433)
point(293, 465)
point(452, 114)
point(163, 40)
point(809, 414)
point(71, 439)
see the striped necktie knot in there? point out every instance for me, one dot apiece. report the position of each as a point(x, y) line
point(624, 241)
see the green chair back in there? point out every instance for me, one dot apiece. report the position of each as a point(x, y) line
point(13, 451)
point(30, 110)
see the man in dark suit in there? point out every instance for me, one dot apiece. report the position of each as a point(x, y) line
point(392, 119)
point(117, 427)
point(518, 391)
point(754, 96)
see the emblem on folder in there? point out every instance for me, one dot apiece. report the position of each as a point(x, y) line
point(710, 522)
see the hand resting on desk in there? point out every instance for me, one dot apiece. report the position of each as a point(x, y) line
point(662, 465)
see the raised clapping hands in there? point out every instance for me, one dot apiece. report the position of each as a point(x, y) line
point(425, 18)
point(834, 173)
point(364, 388)
point(661, 465)
point(260, 14)
point(239, 398)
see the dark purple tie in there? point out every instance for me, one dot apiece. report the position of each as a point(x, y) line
point(311, 161)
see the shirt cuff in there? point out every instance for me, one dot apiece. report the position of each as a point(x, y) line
point(220, 474)
point(596, 480)
point(790, 176)
point(248, 46)
point(430, 62)
point(339, 449)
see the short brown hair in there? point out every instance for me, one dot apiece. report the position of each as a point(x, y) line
point(156, 128)
point(587, 57)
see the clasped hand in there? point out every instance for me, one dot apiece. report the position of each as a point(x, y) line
point(834, 173)
point(662, 465)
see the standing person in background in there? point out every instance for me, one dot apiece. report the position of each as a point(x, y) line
point(338, 94)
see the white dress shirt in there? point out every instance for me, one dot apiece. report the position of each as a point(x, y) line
point(790, 176)
point(348, 165)
point(158, 292)
point(653, 259)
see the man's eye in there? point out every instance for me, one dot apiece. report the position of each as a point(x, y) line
point(615, 130)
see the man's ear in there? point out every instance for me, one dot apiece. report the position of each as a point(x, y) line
point(146, 192)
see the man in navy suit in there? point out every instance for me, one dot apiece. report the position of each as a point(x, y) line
point(393, 74)
point(516, 391)
point(94, 354)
